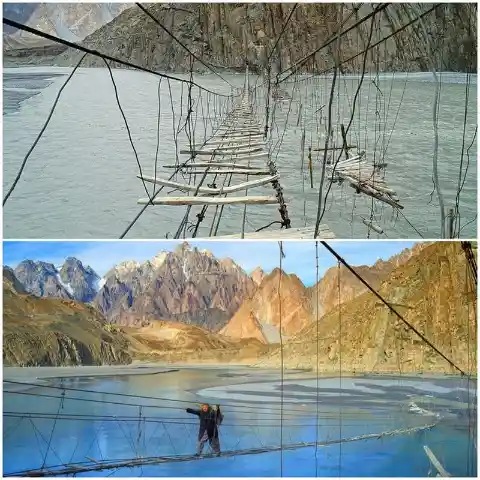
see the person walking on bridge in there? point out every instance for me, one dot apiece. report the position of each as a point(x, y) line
point(210, 419)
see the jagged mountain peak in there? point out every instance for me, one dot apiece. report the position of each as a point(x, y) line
point(71, 280)
point(258, 275)
point(11, 282)
point(186, 284)
point(182, 248)
point(261, 315)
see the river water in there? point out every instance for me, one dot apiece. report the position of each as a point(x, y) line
point(89, 427)
point(80, 182)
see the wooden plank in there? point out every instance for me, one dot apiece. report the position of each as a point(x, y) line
point(239, 171)
point(213, 164)
point(236, 134)
point(219, 152)
point(239, 136)
point(286, 233)
point(207, 190)
point(252, 200)
point(226, 145)
point(436, 463)
point(240, 131)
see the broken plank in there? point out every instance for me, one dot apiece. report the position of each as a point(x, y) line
point(209, 190)
point(252, 200)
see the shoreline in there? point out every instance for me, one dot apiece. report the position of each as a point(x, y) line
point(45, 373)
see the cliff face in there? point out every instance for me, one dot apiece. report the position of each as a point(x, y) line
point(259, 316)
point(226, 35)
point(429, 290)
point(56, 332)
point(188, 285)
point(330, 295)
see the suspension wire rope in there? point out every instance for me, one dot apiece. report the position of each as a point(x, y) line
point(39, 136)
point(125, 395)
point(282, 31)
point(127, 128)
point(392, 309)
point(143, 209)
point(384, 39)
point(281, 257)
point(165, 29)
point(104, 56)
point(317, 358)
point(337, 34)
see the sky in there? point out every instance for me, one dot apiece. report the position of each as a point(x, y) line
point(299, 255)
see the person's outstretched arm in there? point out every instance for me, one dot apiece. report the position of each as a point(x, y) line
point(193, 412)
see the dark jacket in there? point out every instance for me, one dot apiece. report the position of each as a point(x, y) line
point(209, 422)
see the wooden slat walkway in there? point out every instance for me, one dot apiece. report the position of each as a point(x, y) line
point(235, 159)
point(283, 234)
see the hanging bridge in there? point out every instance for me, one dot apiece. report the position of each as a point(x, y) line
point(236, 150)
point(96, 465)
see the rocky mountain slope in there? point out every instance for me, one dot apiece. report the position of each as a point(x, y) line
point(187, 285)
point(72, 280)
point(70, 21)
point(259, 316)
point(429, 290)
point(329, 293)
point(56, 331)
point(225, 35)
point(178, 342)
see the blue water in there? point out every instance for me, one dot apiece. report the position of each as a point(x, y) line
point(251, 405)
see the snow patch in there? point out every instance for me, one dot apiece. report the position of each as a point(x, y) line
point(100, 283)
point(66, 286)
point(184, 269)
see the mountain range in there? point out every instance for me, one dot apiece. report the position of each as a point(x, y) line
point(187, 305)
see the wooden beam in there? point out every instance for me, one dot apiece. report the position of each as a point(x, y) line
point(207, 190)
point(259, 200)
point(237, 171)
point(212, 164)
